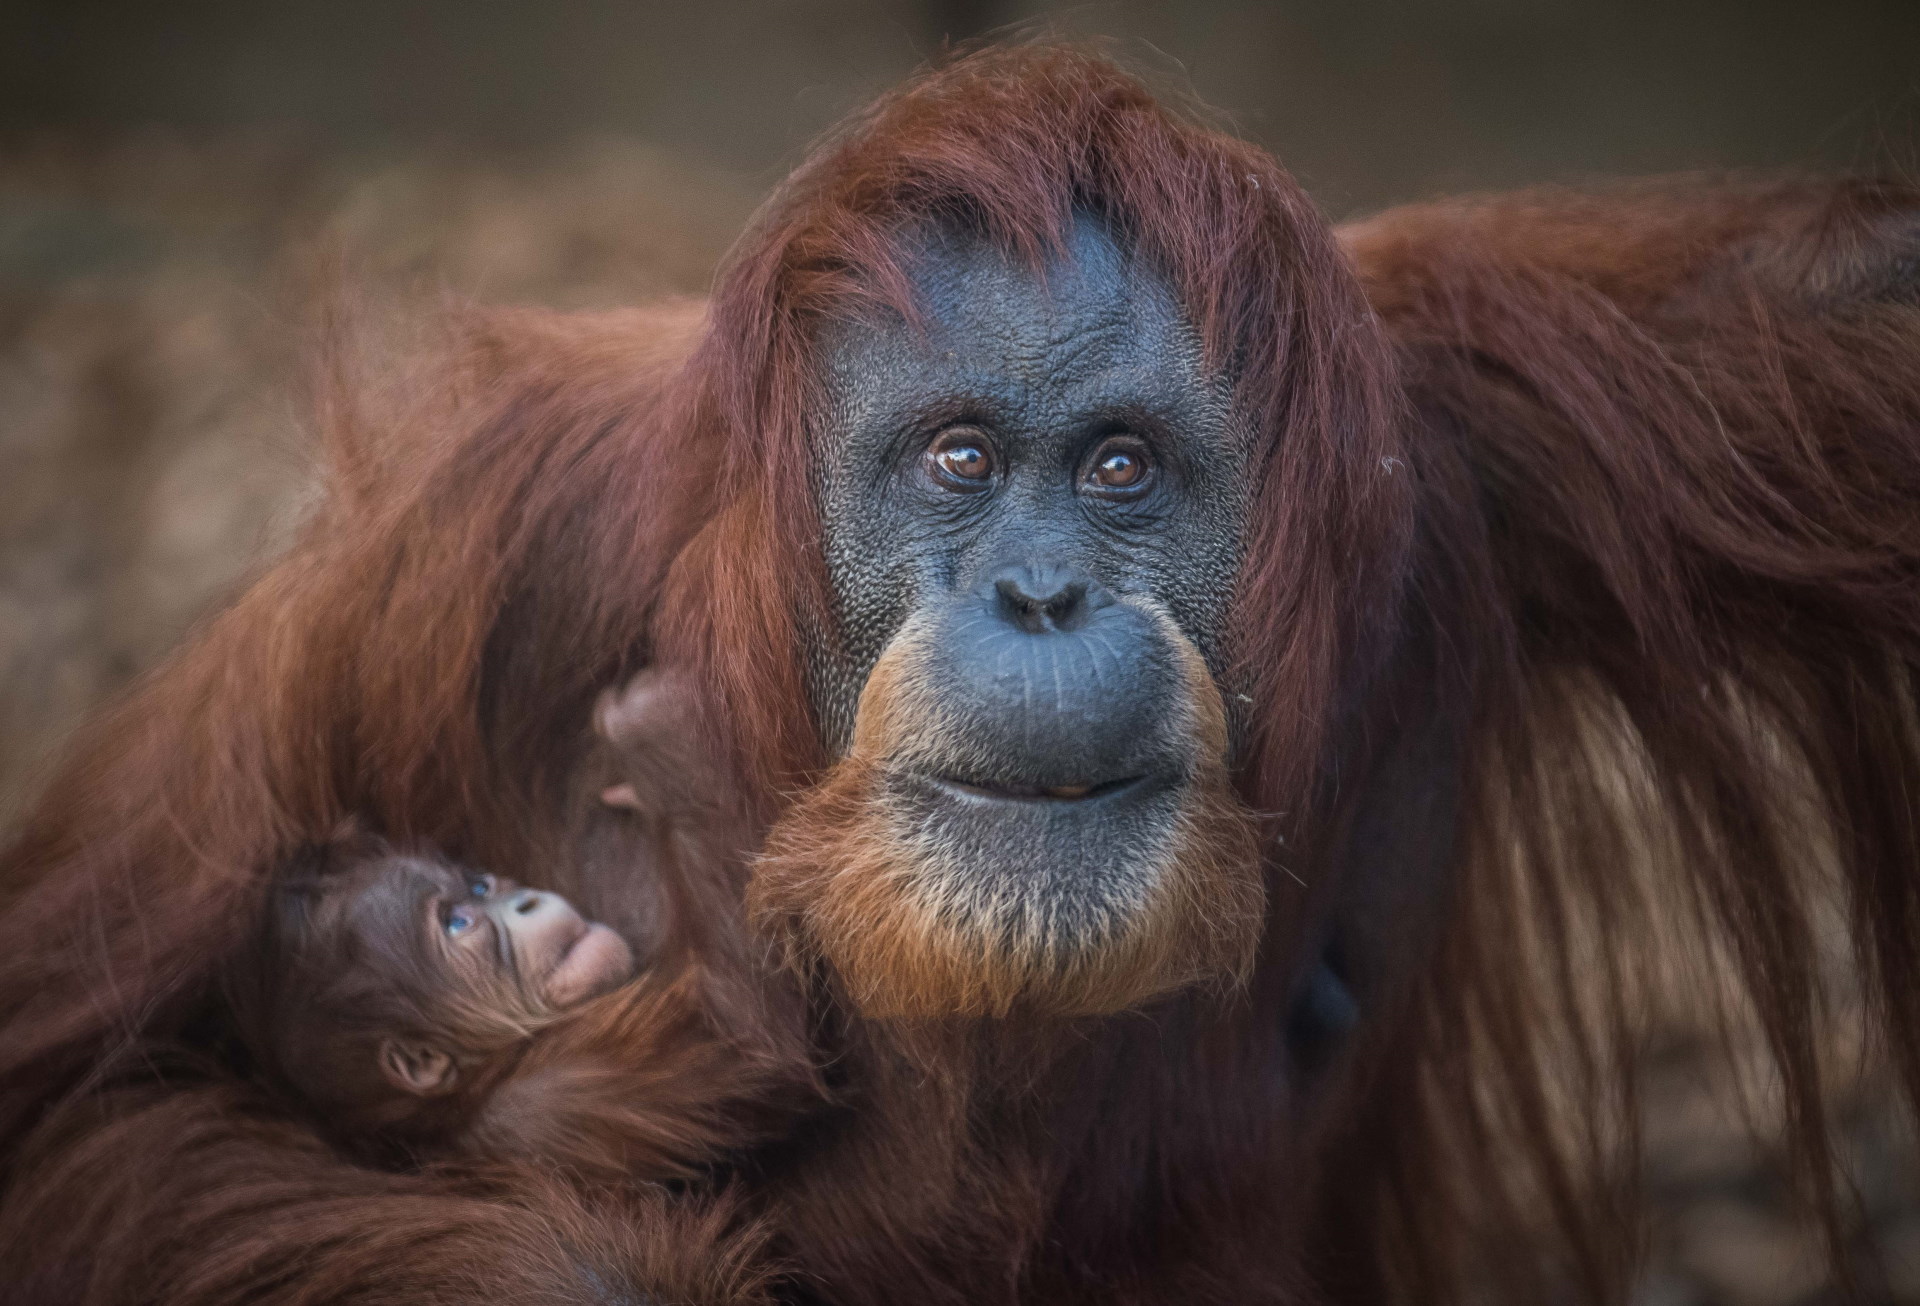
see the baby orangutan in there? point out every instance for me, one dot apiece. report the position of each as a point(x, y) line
point(396, 990)
point(425, 1011)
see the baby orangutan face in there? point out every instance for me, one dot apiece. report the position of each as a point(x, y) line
point(479, 958)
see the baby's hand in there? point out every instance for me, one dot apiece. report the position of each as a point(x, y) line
point(665, 751)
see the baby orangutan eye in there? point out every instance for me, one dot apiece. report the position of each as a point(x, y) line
point(461, 919)
point(482, 887)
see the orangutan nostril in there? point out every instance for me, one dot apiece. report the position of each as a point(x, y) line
point(1039, 600)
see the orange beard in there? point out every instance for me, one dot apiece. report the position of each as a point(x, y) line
point(911, 934)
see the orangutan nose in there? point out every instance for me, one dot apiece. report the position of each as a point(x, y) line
point(1050, 674)
point(1040, 599)
point(526, 902)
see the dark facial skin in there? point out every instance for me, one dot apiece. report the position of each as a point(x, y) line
point(1046, 493)
point(474, 949)
point(1048, 382)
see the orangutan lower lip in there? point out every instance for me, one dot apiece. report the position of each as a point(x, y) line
point(1036, 793)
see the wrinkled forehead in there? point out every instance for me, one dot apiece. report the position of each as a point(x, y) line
point(1093, 320)
point(1091, 295)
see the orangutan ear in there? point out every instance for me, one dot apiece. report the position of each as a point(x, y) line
point(416, 1067)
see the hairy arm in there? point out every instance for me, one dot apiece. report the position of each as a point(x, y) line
point(192, 1196)
point(1669, 436)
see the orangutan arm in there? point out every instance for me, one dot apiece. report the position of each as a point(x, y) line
point(192, 1197)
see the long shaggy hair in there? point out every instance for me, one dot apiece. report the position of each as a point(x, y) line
point(1690, 414)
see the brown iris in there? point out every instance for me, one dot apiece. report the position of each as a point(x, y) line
point(1119, 467)
point(961, 459)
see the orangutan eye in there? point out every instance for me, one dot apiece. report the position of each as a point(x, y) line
point(481, 887)
point(1120, 468)
point(460, 920)
point(960, 459)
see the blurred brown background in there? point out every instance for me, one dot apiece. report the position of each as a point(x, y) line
point(1369, 101)
point(169, 167)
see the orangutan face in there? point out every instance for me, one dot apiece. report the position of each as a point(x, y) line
point(1034, 510)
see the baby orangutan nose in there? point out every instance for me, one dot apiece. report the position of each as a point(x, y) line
point(566, 957)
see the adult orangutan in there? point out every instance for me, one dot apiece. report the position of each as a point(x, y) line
point(1213, 701)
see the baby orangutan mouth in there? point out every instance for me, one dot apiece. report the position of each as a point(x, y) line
point(597, 961)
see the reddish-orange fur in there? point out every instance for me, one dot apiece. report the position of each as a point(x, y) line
point(1604, 509)
point(646, 1083)
point(199, 1195)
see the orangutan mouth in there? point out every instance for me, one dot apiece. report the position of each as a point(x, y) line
point(997, 792)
